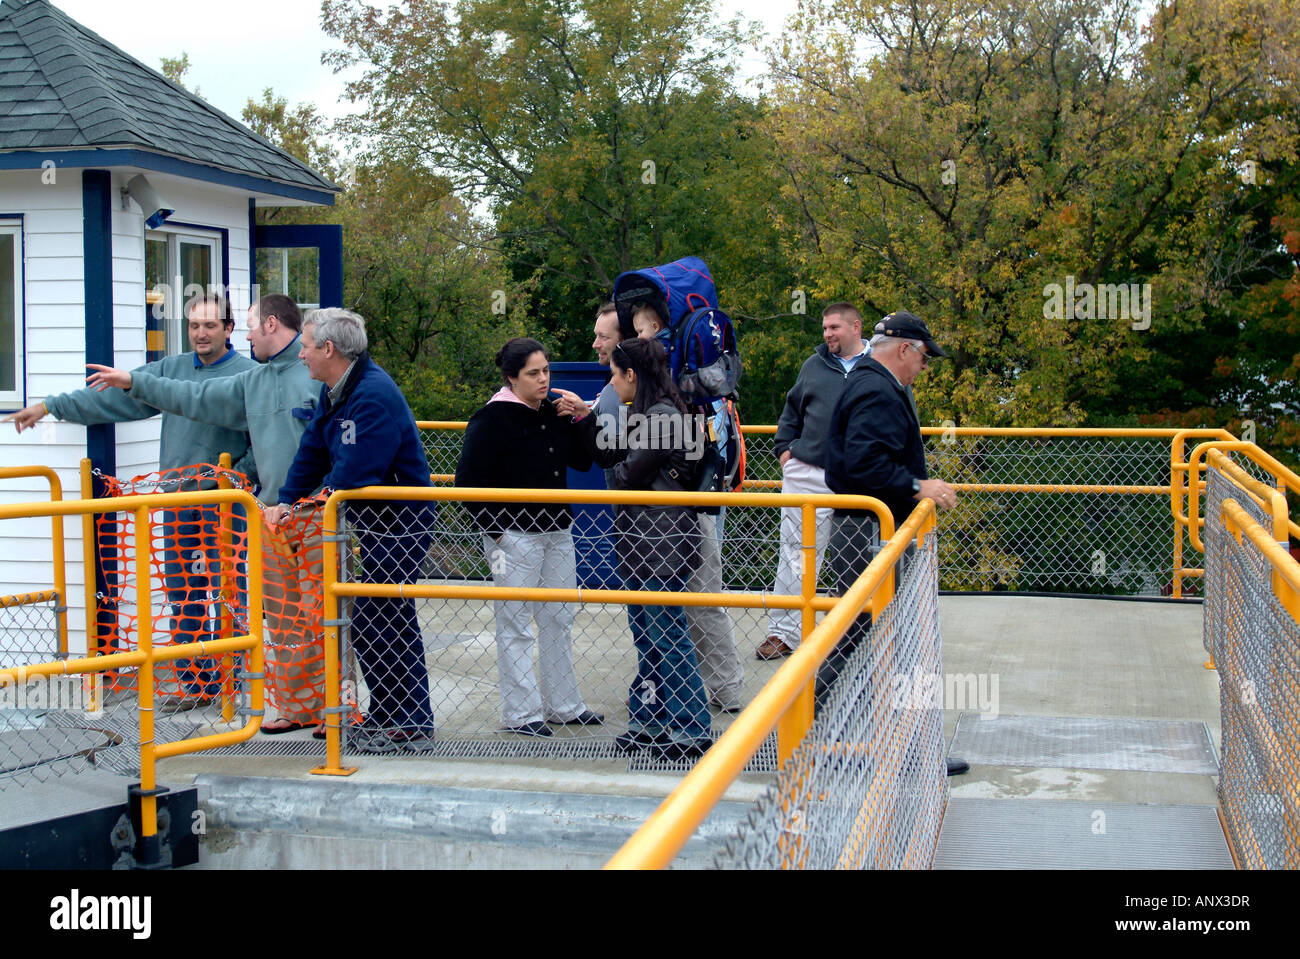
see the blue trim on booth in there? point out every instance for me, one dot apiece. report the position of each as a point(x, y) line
point(327, 238)
point(97, 257)
point(252, 244)
point(21, 305)
point(144, 159)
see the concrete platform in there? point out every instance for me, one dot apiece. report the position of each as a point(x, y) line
point(1026, 656)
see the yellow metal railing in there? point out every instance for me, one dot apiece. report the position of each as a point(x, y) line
point(56, 542)
point(668, 829)
point(146, 655)
point(795, 725)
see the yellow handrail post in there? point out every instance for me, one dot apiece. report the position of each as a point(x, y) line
point(88, 580)
point(1176, 493)
point(144, 619)
point(330, 614)
point(797, 720)
point(229, 588)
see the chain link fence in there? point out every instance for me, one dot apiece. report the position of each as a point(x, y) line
point(509, 677)
point(196, 561)
point(1100, 524)
point(1256, 646)
point(867, 786)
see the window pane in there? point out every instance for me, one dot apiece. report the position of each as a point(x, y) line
point(293, 271)
point(8, 314)
point(196, 269)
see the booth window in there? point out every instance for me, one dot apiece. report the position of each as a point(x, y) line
point(11, 315)
point(176, 265)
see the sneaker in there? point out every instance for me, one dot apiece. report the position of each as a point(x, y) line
point(413, 740)
point(372, 739)
point(585, 718)
point(539, 729)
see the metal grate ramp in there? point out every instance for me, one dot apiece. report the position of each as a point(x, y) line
point(1071, 742)
point(1061, 834)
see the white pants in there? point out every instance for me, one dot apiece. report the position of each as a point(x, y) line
point(796, 477)
point(711, 631)
point(533, 560)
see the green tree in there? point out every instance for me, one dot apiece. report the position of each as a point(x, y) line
point(965, 159)
point(175, 68)
point(416, 265)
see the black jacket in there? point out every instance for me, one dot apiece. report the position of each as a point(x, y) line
point(654, 542)
point(510, 445)
point(874, 447)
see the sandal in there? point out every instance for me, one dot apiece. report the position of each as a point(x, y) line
point(289, 727)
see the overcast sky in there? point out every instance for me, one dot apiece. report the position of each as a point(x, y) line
point(239, 47)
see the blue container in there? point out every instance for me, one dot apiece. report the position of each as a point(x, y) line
point(593, 525)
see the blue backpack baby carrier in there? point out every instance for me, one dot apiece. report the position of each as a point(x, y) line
point(702, 355)
point(702, 341)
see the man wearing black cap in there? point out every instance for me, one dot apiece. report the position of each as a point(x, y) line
point(875, 449)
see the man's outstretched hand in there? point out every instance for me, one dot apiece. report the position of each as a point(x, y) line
point(27, 417)
point(106, 376)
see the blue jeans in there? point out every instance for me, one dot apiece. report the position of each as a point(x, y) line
point(667, 697)
point(192, 577)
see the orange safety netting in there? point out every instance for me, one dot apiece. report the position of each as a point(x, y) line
point(196, 571)
point(198, 589)
point(292, 605)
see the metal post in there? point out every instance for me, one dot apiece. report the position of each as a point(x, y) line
point(229, 589)
point(798, 719)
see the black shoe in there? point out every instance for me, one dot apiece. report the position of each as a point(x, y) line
point(585, 718)
point(631, 742)
point(957, 766)
point(676, 751)
point(539, 729)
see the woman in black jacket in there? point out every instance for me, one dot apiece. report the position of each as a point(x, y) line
point(518, 440)
point(658, 548)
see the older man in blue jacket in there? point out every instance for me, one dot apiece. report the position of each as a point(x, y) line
point(874, 448)
point(363, 434)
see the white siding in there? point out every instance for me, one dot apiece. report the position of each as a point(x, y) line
point(55, 327)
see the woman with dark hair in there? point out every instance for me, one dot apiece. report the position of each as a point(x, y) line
point(658, 548)
point(519, 440)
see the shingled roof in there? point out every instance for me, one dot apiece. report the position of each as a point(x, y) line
point(64, 87)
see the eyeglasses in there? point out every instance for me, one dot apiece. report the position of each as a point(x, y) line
point(925, 356)
point(627, 362)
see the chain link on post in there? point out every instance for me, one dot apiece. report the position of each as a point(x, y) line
point(1257, 647)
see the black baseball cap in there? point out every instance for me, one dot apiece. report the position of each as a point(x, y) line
point(909, 326)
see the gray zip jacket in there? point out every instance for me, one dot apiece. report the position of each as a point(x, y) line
point(806, 418)
point(273, 401)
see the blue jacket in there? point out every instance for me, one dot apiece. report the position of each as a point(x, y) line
point(367, 438)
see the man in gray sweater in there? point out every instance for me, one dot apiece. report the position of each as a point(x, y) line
point(190, 559)
point(274, 401)
point(801, 445)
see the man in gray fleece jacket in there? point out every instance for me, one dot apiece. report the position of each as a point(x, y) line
point(801, 446)
point(274, 401)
